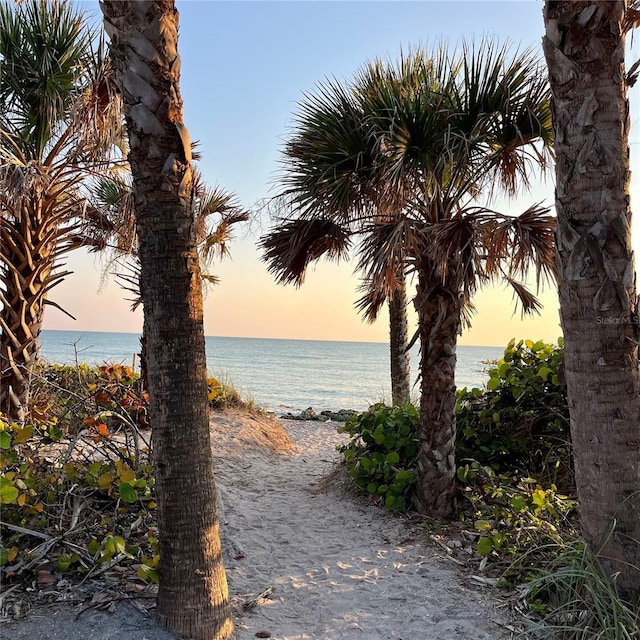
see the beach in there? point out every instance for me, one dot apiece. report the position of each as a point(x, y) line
point(305, 556)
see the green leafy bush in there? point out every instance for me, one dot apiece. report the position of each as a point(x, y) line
point(521, 420)
point(77, 472)
point(382, 451)
point(513, 451)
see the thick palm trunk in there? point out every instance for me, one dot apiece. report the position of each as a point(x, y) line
point(438, 326)
point(192, 599)
point(584, 48)
point(398, 343)
point(26, 257)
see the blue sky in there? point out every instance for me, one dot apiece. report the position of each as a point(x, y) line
point(245, 66)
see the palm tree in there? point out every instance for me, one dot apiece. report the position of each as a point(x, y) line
point(584, 48)
point(193, 598)
point(216, 212)
point(330, 176)
point(58, 117)
point(445, 129)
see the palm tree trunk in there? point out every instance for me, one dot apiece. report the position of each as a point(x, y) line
point(439, 327)
point(192, 599)
point(584, 47)
point(26, 261)
point(398, 346)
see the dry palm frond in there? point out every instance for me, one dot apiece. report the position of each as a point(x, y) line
point(296, 243)
point(631, 16)
point(533, 243)
point(382, 254)
point(457, 251)
point(370, 304)
point(528, 301)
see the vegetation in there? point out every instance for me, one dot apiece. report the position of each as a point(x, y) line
point(516, 490)
point(60, 120)
point(508, 460)
point(406, 156)
point(76, 481)
point(222, 394)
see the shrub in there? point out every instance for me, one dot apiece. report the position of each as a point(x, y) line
point(77, 473)
point(382, 451)
point(521, 420)
point(513, 446)
point(222, 394)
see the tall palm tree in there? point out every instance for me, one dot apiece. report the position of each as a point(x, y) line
point(445, 129)
point(330, 176)
point(585, 48)
point(58, 117)
point(193, 598)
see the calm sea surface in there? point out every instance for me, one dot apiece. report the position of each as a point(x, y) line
point(281, 375)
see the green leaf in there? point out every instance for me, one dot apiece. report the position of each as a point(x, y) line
point(493, 383)
point(482, 525)
point(5, 440)
point(95, 468)
point(93, 547)
point(8, 493)
point(127, 492)
point(22, 435)
point(393, 457)
point(484, 546)
point(379, 435)
point(149, 574)
point(504, 369)
point(518, 503)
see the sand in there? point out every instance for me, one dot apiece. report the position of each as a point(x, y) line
point(337, 566)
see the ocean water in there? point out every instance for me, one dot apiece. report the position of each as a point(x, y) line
point(280, 375)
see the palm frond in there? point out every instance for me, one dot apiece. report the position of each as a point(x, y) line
point(290, 248)
point(328, 162)
point(532, 243)
point(371, 302)
point(382, 253)
point(529, 304)
point(213, 237)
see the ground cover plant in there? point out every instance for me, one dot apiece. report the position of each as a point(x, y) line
point(76, 481)
point(516, 490)
point(76, 477)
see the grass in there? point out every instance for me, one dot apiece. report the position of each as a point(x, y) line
point(224, 395)
point(581, 601)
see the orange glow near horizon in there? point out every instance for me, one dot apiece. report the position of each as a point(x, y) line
point(247, 303)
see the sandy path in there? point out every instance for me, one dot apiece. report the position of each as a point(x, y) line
point(340, 569)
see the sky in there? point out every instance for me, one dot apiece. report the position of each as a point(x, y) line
point(245, 67)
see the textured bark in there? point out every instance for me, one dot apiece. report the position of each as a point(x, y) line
point(192, 598)
point(398, 343)
point(27, 251)
point(584, 48)
point(439, 327)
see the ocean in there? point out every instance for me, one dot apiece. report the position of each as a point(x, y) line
point(279, 375)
